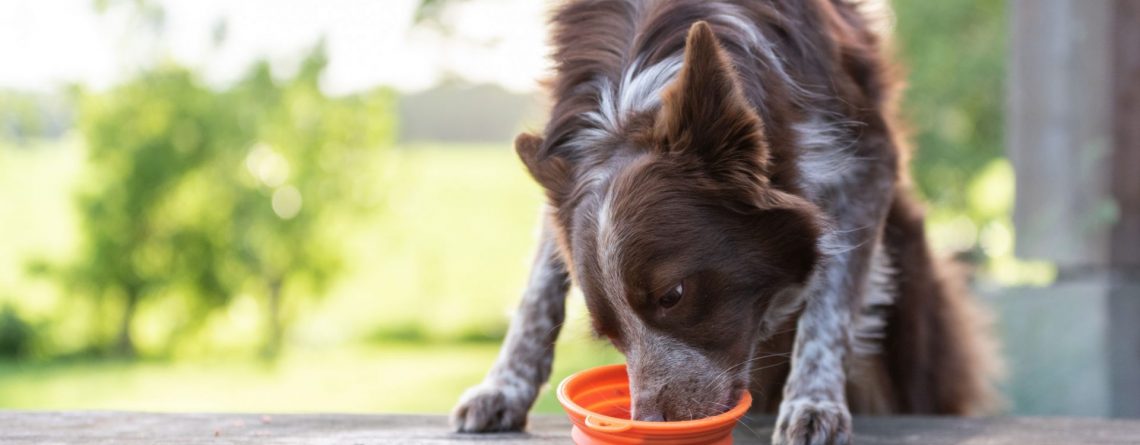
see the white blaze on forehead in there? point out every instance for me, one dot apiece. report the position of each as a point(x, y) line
point(610, 244)
point(609, 251)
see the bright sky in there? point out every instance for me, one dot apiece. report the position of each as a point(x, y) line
point(48, 43)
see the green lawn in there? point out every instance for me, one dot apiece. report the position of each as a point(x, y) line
point(436, 267)
point(419, 378)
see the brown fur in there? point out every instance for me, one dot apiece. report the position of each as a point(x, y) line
point(707, 190)
point(851, 63)
point(936, 353)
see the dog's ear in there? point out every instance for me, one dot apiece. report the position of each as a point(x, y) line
point(552, 172)
point(705, 113)
point(791, 227)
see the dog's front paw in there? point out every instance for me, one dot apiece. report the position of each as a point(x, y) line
point(805, 421)
point(488, 408)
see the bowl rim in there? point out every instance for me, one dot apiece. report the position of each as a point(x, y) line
point(706, 423)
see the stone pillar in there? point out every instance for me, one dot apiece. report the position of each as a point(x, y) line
point(1074, 139)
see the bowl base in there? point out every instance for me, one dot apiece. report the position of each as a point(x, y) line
point(581, 438)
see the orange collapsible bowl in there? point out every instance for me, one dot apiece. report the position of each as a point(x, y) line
point(598, 403)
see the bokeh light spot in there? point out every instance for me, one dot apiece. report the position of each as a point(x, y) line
point(287, 202)
point(268, 166)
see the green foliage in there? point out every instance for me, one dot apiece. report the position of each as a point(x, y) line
point(954, 53)
point(16, 334)
point(302, 171)
point(144, 139)
point(204, 194)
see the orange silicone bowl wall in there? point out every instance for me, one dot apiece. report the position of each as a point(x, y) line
point(598, 403)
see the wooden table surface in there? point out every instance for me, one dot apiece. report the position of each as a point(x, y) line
point(128, 428)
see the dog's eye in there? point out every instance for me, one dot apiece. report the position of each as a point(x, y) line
point(673, 296)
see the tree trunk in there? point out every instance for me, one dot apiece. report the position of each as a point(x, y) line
point(274, 330)
point(125, 344)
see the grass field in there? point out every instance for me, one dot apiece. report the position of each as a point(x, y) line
point(432, 277)
point(418, 378)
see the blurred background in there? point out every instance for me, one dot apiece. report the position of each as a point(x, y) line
point(314, 205)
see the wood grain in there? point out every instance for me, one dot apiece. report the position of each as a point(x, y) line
point(127, 428)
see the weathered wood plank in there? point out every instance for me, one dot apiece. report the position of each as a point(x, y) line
point(122, 428)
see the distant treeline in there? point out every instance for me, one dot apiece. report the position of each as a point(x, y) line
point(457, 112)
point(28, 115)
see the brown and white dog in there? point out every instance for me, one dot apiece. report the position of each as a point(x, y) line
point(727, 188)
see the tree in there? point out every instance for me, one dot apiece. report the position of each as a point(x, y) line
point(304, 170)
point(204, 194)
point(144, 140)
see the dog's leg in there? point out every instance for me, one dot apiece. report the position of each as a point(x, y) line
point(502, 400)
point(814, 408)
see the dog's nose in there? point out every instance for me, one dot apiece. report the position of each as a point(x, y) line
point(649, 414)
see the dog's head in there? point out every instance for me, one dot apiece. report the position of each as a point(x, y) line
point(685, 252)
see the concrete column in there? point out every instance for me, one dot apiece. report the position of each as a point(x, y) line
point(1074, 139)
